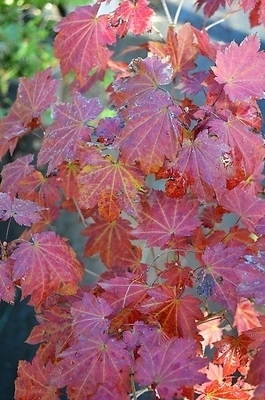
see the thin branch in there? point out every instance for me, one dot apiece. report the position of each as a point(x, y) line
point(91, 272)
point(80, 212)
point(178, 12)
point(158, 32)
point(215, 23)
point(166, 10)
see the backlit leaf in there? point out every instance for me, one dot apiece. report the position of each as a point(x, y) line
point(240, 69)
point(60, 139)
point(169, 367)
point(24, 212)
point(165, 219)
point(46, 265)
point(81, 43)
point(108, 238)
point(111, 184)
point(33, 381)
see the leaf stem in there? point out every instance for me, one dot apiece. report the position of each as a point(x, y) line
point(175, 22)
point(166, 10)
point(79, 212)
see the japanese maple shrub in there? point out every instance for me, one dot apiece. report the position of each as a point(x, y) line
point(188, 323)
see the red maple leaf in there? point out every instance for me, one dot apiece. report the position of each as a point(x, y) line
point(210, 6)
point(218, 390)
point(91, 363)
point(200, 161)
point(43, 190)
point(240, 69)
point(219, 274)
point(246, 316)
point(90, 315)
point(256, 16)
point(81, 43)
point(256, 371)
point(46, 265)
point(248, 207)
point(176, 314)
point(181, 48)
point(69, 127)
point(24, 212)
point(34, 96)
point(7, 288)
point(164, 219)
point(34, 381)
point(67, 179)
point(14, 172)
point(108, 238)
point(238, 136)
point(123, 292)
point(254, 284)
point(230, 352)
point(149, 113)
point(132, 16)
point(110, 184)
point(257, 334)
point(210, 331)
point(169, 367)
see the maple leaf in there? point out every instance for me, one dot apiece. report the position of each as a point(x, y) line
point(176, 314)
point(192, 84)
point(248, 4)
point(14, 172)
point(34, 96)
point(108, 129)
point(24, 212)
point(34, 381)
point(7, 288)
point(169, 367)
point(247, 206)
point(257, 334)
point(67, 174)
point(210, 6)
point(207, 48)
point(238, 135)
point(149, 114)
point(56, 263)
point(220, 263)
point(181, 49)
point(240, 69)
point(108, 238)
point(254, 270)
point(176, 275)
point(54, 331)
point(230, 352)
point(218, 390)
point(111, 184)
point(91, 363)
point(43, 190)
point(121, 292)
point(199, 160)
point(256, 16)
point(81, 43)
point(61, 137)
point(90, 315)
point(163, 219)
point(210, 331)
point(133, 16)
point(246, 316)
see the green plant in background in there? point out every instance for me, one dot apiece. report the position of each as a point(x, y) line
point(26, 40)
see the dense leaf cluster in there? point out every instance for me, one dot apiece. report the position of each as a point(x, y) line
point(143, 326)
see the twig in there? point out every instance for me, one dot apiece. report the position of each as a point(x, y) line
point(178, 12)
point(166, 10)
